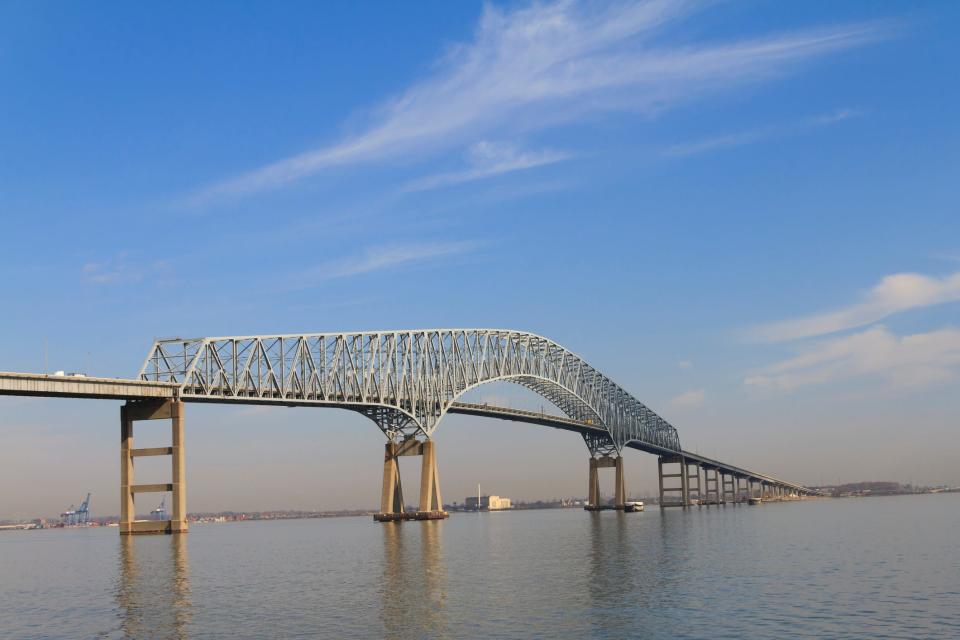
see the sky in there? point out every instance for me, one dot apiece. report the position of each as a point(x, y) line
point(745, 213)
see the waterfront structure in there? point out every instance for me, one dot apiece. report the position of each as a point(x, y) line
point(488, 503)
point(405, 382)
point(78, 517)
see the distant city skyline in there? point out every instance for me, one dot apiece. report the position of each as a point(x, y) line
point(745, 214)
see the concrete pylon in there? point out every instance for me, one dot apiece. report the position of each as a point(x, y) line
point(391, 497)
point(430, 500)
point(593, 484)
point(620, 489)
point(134, 411)
point(684, 483)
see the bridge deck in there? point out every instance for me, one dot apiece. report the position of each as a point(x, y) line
point(37, 384)
point(560, 422)
point(51, 386)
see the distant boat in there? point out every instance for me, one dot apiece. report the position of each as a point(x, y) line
point(633, 507)
point(755, 501)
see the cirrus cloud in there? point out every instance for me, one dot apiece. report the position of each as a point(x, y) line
point(910, 361)
point(688, 399)
point(544, 65)
point(893, 294)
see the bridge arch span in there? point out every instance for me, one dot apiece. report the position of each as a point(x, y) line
point(406, 381)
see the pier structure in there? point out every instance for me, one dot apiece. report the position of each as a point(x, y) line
point(142, 410)
point(721, 485)
point(392, 506)
point(594, 501)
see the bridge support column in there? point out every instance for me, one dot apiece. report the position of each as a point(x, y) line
point(392, 506)
point(691, 487)
point(391, 496)
point(620, 488)
point(593, 484)
point(683, 489)
point(729, 494)
point(594, 500)
point(135, 411)
point(711, 486)
point(430, 500)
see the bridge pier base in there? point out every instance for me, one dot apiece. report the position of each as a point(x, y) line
point(135, 411)
point(712, 495)
point(392, 507)
point(683, 489)
point(729, 495)
point(593, 483)
point(690, 486)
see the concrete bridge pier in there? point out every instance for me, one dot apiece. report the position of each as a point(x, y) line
point(620, 489)
point(135, 411)
point(666, 479)
point(392, 506)
point(694, 486)
point(729, 494)
point(712, 488)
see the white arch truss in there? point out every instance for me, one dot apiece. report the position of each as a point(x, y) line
point(405, 381)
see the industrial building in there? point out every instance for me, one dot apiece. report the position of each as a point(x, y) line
point(487, 503)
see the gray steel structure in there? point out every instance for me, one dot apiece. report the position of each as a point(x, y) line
point(406, 381)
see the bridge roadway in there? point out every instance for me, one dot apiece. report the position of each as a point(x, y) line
point(138, 390)
point(561, 422)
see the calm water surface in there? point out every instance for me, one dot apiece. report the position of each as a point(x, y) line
point(867, 568)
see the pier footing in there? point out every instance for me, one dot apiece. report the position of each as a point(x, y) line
point(593, 486)
point(135, 411)
point(392, 508)
point(410, 515)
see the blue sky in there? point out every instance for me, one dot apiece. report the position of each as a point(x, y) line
point(743, 212)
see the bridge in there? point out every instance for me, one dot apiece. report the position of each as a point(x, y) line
point(405, 382)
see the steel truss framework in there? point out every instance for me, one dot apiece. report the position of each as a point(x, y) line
point(405, 381)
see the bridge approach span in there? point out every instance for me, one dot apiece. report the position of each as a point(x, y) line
point(567, 424)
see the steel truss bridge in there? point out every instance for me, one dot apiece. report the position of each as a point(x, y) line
point(405, 382)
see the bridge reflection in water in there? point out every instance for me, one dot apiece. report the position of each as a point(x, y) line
point(153, 587)
point(414, 583)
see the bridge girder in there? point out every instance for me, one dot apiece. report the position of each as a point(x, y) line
point(405, 381)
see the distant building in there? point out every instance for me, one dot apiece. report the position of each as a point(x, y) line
point(490, 503)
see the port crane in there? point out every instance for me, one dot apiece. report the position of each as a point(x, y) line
point(79, 516)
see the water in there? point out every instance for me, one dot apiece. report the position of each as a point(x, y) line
point(867, 568)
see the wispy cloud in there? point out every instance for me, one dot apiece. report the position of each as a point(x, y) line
point(948, 257)
point(489, 159)
point(380, 259)
point(894, 294)
point(123, 269)
point(911, 361)
point(688, 399)
point(115, 270)
point(544, 65)
point(759, 134)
